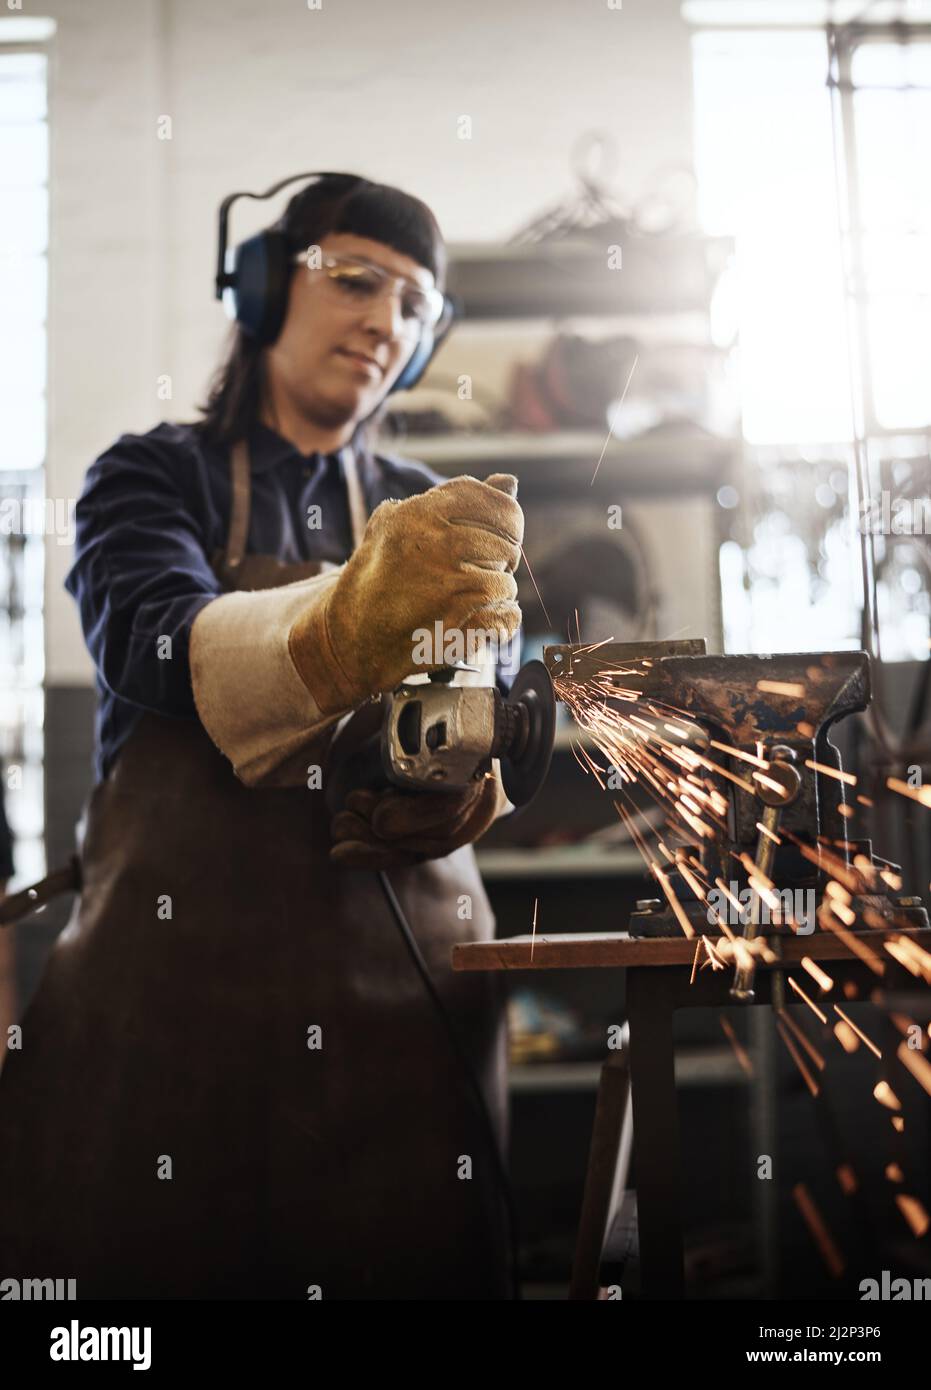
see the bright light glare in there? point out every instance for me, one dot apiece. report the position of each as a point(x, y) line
point(764, 160)
point(765, 165)
point(893, 139)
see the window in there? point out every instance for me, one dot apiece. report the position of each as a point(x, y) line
point(832, 300)
point(23, 521)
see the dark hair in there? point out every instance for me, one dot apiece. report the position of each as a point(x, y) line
point(335, 203)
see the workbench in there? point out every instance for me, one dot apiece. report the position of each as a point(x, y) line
point(658, 982)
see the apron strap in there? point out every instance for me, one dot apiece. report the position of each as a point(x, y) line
point(241, 485)
point(358, 511)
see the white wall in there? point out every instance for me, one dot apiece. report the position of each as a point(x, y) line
point(257, 89)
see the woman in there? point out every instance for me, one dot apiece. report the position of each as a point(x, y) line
point(231, 1083)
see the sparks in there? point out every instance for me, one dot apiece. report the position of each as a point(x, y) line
point(822, 1017)
point(614, 418)
point(920, 794)
point(886, 1096)
point(822, 980)
point(740, 1052)
point(534, 583)
point(818, 1230)
point(806, 1075)
point(859, 1032)
point(917, 1064)
point(914, 1214)
point(834, 772)
point(809, 1047)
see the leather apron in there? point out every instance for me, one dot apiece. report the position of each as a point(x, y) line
point(232, 1083)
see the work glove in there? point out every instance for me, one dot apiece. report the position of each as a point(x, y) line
point(395, 829)
point(448, 555)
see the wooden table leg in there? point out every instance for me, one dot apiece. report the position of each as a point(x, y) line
point(603, 1159)
point(650, 1013)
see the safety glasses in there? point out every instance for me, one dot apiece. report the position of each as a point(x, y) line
point(354, 281)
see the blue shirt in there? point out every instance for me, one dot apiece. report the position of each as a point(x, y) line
point(154, 509)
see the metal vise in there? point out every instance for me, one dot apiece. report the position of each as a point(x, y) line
point(778, 710)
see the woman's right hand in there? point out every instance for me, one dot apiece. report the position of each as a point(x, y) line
point(447, 555)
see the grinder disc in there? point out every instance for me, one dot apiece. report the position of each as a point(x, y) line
point(524, 770)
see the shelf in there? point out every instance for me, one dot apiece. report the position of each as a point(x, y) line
point(676, 458)
point(554, 1076)
point(561, 861)
point(668, 274)
point(696, 1066)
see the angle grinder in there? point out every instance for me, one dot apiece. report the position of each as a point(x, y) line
point(440, 737)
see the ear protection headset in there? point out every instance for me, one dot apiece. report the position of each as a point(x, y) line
point(254, 282)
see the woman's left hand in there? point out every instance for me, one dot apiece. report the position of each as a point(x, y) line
point(394, 828)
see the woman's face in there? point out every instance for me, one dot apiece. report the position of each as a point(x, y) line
point(313, 359)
